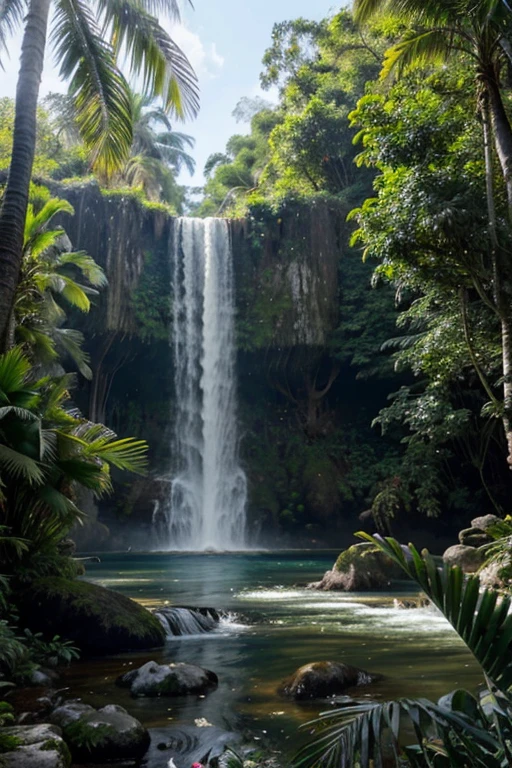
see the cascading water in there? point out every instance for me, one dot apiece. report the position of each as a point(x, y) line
point(206, 509)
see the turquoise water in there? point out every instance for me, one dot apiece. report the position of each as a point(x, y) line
point(275, 626)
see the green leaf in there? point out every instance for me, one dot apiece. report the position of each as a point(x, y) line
point(99, 90)
point(20, 466)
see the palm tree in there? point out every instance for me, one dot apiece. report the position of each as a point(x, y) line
point(47, 450)
point(480, 29)
point(168, 146)
point(156, 157)
point(88, 39)
point(47, 280)
point(445, 27)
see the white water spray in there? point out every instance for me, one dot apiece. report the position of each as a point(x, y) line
point(207, 502)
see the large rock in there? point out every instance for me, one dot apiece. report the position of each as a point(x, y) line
point(474, 537)
point(467, 558)
point(360, 568)
point(154, 679)
point(105, 734)
point(98, 620)
point(70, 712)
point(39, 746)
point(325, 678)
point(485, 522)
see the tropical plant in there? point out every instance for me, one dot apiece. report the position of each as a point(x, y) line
point(461, 729)
point(481, 30)
point(166, 145)
point(7, 742)
point(88, 40)
point(49, 653)
point(498, 553)
point(47, 280)
point(47, 450)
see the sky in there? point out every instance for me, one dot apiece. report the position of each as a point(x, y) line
point(225, 41)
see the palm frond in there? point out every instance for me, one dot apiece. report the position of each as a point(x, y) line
point(153, 56)
point(175, 140)
point(59, 504)
point(424, 11)
point(87, 474)
point(41, 343)
point(35, 223)
point(479, 616)
point(20, 413)
point(417, 50)
point(87, 266)
point(145, 172)
point(40, 242)
point(75, 294)
point(99, 91)
point(71, 342)
point(48, 445)
point(20, 466)
point(169, 8)
point(57, 393)
point(127, 453)
point(373, 735)
point(14, 370)
point(11, 16)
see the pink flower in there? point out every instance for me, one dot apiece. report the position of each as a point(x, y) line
point(197, 765)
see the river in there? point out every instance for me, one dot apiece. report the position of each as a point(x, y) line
point(275, 626)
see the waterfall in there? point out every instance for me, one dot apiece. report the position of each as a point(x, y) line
point(206, 508)
point(187, 621)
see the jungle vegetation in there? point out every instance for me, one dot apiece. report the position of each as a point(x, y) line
point(49, 450)
point(405, 131)
point(400, 113)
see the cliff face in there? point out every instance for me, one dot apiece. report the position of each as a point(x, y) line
point(296, 443)
point(122, 235)
point(287, 266)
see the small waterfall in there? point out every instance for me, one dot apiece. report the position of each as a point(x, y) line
point(187, 621)
point(206, 508)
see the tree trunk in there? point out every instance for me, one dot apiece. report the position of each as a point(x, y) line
point(15, 200)
point(502, 132)
point(497, 256)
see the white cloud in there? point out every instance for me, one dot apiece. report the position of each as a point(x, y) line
point(204, 57)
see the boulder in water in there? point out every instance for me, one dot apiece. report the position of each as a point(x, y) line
point(485, 522)
point(39, 746)
point(154, 679)
point(109, 733)
point(325, 678)
point(98, 620)
point(469, 559)
point(360, 568)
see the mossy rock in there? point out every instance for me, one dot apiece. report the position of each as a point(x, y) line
point(321, 679)
point(367, 557)
point(107, 734)
point(38, 746)
point(179, 679)
point(360, 568)
point(98, 620)
point(469, 559)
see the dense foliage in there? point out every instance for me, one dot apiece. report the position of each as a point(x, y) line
point(420, 160)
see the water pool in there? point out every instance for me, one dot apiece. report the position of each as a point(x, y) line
point(276, 626)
